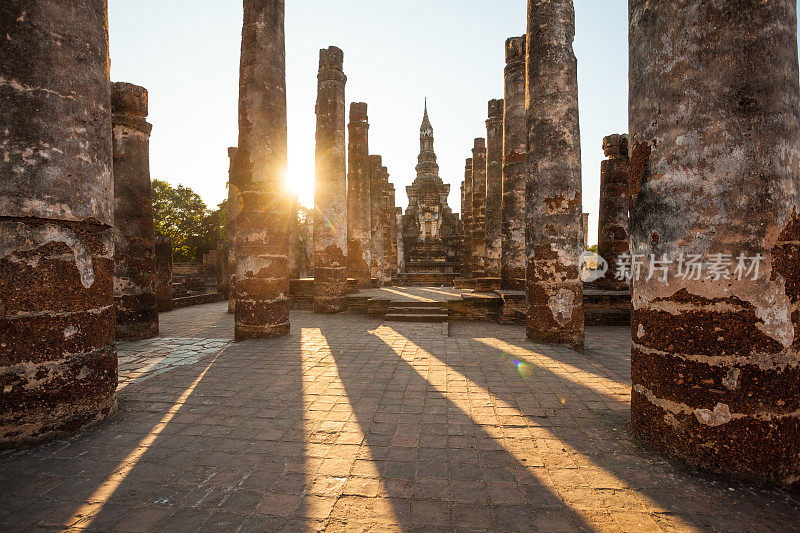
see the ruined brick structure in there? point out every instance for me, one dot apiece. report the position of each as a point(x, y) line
point(585, 229)
point(715, 360)
point(234, 207)
point(135, 304)
point(377, 260)
point(612, 238)
point(494, 194)
point(515, 146)
point(358, 198)
point(58, 361)
point(330, 193)
point(400, 258)
point(467, 258)
point(479, 209)
point(430, 228)
point(163, 247)
point(390, 246)
point(262, 269)
point(554, 204)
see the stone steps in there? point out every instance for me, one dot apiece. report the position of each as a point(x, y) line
point(429, 312)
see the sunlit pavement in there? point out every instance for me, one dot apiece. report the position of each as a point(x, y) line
point(354, 424)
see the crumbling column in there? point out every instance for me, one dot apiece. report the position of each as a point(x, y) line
point(376, 215)
point(515, 146)
point(479, 209)
point(585, 229)
point(58, 362)
point(494, 193)
point(358, 198)
point(715, 138)
point(400, 254)
point(554, 205)
point(467, 257)
point(234, 208)
point(388, 227)
point(163, 247)
point(135, 304)
point(330, 195)
point(613, 222)
point(262, 269)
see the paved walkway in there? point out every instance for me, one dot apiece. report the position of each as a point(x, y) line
point(416, 294)
point(354, 425)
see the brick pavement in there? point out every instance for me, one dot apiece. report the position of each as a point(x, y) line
point(353, 424)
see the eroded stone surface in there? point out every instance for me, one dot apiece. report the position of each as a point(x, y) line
point(613, 222)
point(715, 362)
point(330, 193)
point(378, 260)
point(467, 256)
point(57, 356)
point(479, 209)
point(494, 190)
point(163, 247)
point(234, 207)
point(358, 198)
point(135, 306)
point(554, 206)
point(261, 238)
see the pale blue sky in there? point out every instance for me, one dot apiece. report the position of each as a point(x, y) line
point(186, 53)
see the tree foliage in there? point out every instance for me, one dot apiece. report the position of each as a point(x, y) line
point(180, 214)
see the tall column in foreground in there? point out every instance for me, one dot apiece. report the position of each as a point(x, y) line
point(494, 192)
point(135, 304)
point(479, 209)
point(262, 266)
point(234, 207)
point(515, 146)
point(613, 222)
point(554, 205)
point(376, 216)
point(358, 198)
point(467, 257)
point(715, 138)
point(330, 195)
point(58, 363)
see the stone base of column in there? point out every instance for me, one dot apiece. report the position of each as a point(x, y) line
point(330, 290)
point(487, 284)
point(513, 279)
point(137, 317)
point(555, 313)
point(58, 368)
point(244, 332)
point(463, 283)
point(514, 307)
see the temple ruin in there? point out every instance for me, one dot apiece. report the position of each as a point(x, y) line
point(358, 365)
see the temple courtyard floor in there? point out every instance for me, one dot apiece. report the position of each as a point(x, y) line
point(355, 424)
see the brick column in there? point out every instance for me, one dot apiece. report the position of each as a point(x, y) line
point(58, 362)
point(479, 209)
point(715, 138)
point(234, 207)
point(613, 222)
point(376, 215)
point(330, 195)
point(467, 258)
point(554, 229)
point(515, 146)
point(358, 198)
point(134, 249)
point(390, 245)
point(262, 269)
point(400, 254)
point(163, 247)
point(494, 193)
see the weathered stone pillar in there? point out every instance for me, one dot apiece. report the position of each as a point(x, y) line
point(262, 269)
point(234, 208)
point(389, 231)
point(515, 146)
point(554, 205)
point(358, 198)
point(715, 145)
point(479, 209)
point(585, 229)
point(494, 193)
point(58, 362)
point(467, 257)
point(135, 304)
point(294, 237)
point(613, 222)
point(164, 273)
point(330, 196)
point(400, 255)
point(376, 215)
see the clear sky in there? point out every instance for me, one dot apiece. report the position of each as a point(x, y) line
point(186, 53)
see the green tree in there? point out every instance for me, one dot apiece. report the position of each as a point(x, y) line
point(180, 214)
